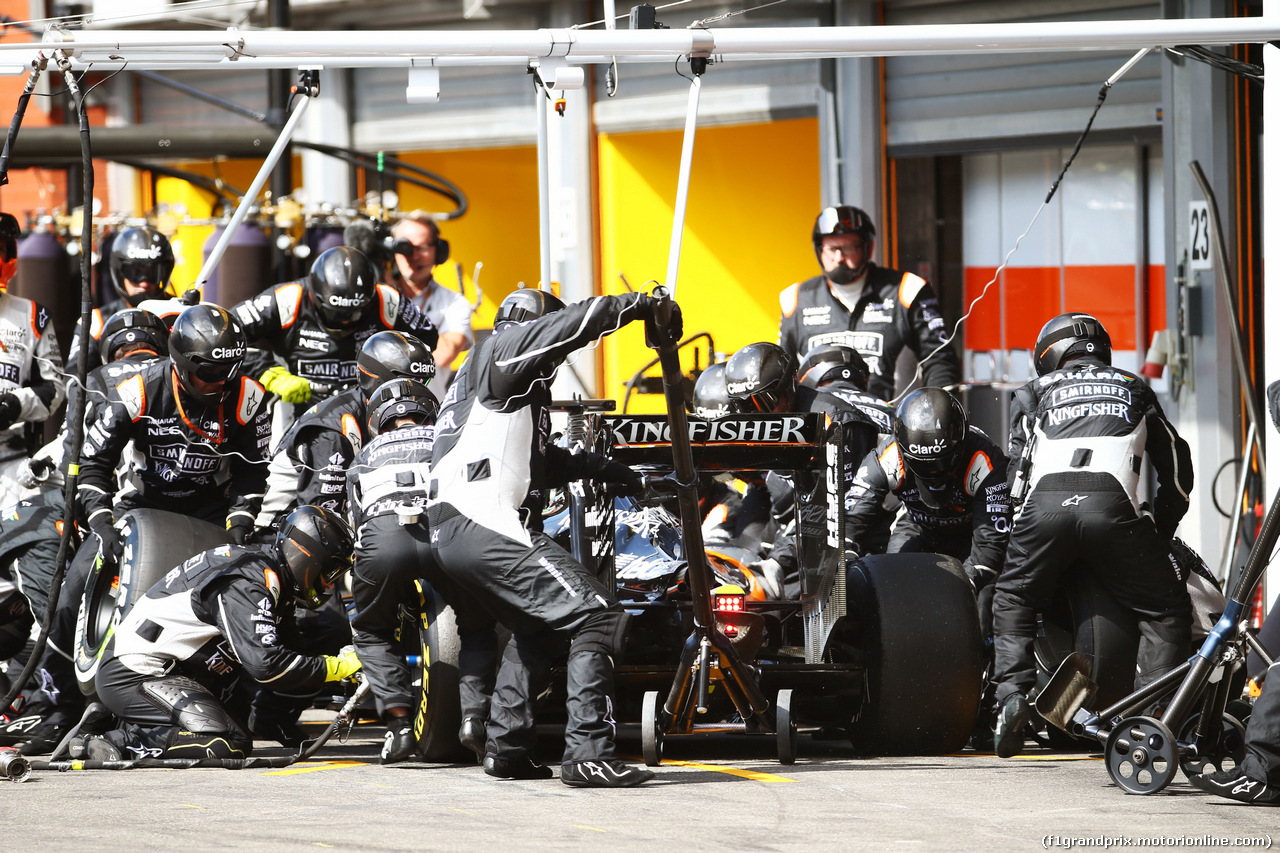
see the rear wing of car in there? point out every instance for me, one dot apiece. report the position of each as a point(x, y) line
point(805, 447)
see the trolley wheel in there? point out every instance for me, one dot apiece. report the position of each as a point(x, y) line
point(1224, 754)
point(651, 729)
point(787, 735)
point(1142, 756)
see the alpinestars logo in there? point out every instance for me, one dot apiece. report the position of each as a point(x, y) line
point(1074, 500)
point(1244, 786)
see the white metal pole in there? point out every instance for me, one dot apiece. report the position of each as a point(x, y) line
point(251, 195)
point(682, 186)
point(544, 191)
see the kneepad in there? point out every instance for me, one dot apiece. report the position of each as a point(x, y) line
point(604, 632)
point(191, 705)
point(187, 744)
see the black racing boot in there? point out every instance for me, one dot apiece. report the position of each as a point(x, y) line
point(1011, 724)
point(515, 768)
point(473, 736)
point(1235, 785)
point(603, 773)
point(44, 738)
point(399, 741)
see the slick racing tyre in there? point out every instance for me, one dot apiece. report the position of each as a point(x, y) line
point(916, 621)
point(439, 713)
point(155, 542)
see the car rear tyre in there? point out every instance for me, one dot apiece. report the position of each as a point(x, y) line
point(916, 621)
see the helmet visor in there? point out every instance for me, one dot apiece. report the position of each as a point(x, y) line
point(766, 402)
point(139, 271)
point(214, 372)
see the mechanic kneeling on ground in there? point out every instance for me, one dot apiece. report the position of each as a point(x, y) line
point(172, 672)
point(388, 495)
point(1079, 435)
point(491, 462)
point(199, 432)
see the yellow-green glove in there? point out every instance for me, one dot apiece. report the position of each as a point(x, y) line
point(286, 386)
point(340, 666)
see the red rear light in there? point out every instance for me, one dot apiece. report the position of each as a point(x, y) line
point(1258, 609)
point(732, 603)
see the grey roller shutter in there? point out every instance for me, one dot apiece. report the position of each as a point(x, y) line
point(963, 103)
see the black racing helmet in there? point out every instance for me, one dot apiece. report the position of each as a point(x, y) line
point(710, 394)
point(206, 343)
point(341, 284)
point(524, 305)
point(930, 428)
point(833, 363)
point(141, 255)
point(841, 219)
point(133, 326)
point(401, 398)
point(393, 355)
point(760, 378)
point(1070, 335)
point(317, 547)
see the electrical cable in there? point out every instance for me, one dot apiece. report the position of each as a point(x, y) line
point(1053, 189)
point(75, 417)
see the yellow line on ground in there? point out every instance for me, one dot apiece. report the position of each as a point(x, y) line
point(592, 828)
point(732, 771)
point(189, 806)
point(311, 768)
point(451, 808)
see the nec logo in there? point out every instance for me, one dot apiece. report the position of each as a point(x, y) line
point(348, 302)
point(227, 352)
point(147, 253)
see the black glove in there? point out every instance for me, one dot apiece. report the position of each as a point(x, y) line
point(979, 576)
point(670, 333)
point(110, 545)
point(240, 530)
point(625, 480)
point(10, 408)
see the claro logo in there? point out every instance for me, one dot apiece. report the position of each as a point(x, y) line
point(926, 449)
point(143, 253)
point(347, 302)
point(421, 367)
point(227, 352)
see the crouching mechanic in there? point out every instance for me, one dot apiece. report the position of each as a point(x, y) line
point(199, 430)
point(388, 495)
point(950, 477)
point(491, 462)
point(1080, 432)
point(172, 672)
point(310, 464)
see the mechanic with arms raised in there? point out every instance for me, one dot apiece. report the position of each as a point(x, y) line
point(491, 462)
point(447, 310)
point(875, 310)
point(172, 672)
point(1080, 433)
